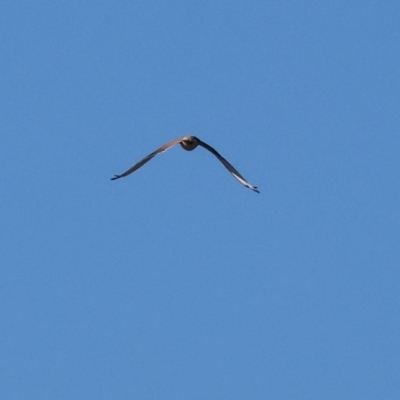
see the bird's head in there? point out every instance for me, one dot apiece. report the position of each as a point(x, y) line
point(189, 142)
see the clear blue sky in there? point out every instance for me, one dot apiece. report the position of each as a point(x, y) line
point(177, 282)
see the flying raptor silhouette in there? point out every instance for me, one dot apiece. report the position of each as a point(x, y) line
point(189, 143)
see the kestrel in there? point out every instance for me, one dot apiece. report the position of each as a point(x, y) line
point(189, 143)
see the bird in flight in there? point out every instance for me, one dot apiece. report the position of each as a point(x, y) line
point(189, 143)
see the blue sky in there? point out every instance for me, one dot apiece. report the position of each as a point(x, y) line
point(177, 282)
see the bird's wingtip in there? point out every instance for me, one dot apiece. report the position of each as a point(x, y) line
point(115, 177)
point(254, 188)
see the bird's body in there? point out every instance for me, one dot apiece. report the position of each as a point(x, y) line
point(189, 143)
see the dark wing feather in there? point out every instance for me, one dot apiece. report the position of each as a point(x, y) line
point(229, 167)
point(163, 148)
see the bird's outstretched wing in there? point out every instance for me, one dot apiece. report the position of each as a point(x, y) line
point(163, 148)
point(228, 166)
